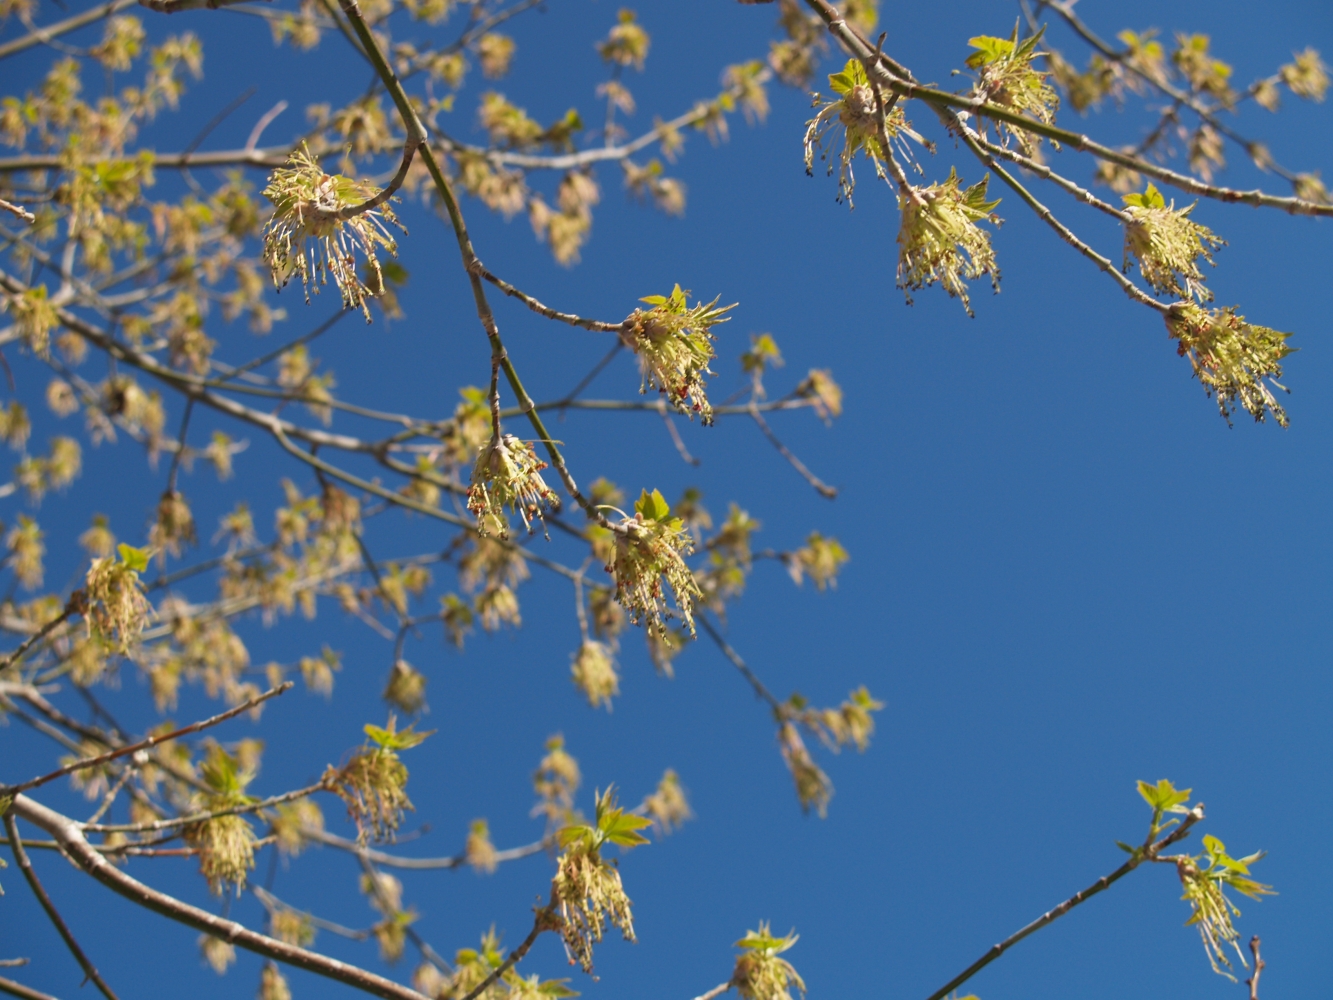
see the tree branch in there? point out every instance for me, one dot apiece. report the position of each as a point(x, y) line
point(19, 990)
point(77, 848)
point(21, 857)
point(1148, 853)
point(42, 34)
point(901, 84)
point(152, 741)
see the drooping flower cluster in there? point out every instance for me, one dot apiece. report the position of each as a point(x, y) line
point(939, 239)
point(555, 781)
point(508, 474)
point(406, 689)
point(674, 344)
point(648, 547)
point(820, 559)
point(586, 888)
point(116, 607)
point(851, 722)
point(1232, 358)
point(813, 787)
point(1007, 78)
point(309, 235)
point(857, 111)
point(761, 973)
point(1168, 245)
point(478, 849)
point(594, 673)
point(373, 783)
point(667, 806)
point(1212, 910)
point(225, 844)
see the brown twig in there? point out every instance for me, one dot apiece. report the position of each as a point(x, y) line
point(71, 608)
point(18, 210)
point(152, 741)
point(821, 487)
point(1148, 853)
point(78, 850)
point(21, 857)
point(1253, 981)
point(44, 33)
point(19, 990)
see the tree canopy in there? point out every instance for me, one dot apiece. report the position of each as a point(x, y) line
point(345, 513)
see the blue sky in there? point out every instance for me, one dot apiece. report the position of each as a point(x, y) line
point(1068, 573)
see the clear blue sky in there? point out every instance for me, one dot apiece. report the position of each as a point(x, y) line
point(1067, 572)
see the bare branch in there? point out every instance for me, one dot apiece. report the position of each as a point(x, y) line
point(77, 848)
point(19, 990)
point(419, 864)
point(821, 487)
point(21, 857)
point(1253, 981)
point(42, 34)
point(152, 741)
point(1148, 853)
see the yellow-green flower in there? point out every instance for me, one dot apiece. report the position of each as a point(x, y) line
point(939, 239)
point(649, 546)
point(1232, 358)
point(1168, 245)
point(761, 973)
point(857, 111)
point(1006, 78)
point(674, 343)
point(508, 474)
point(311, 235)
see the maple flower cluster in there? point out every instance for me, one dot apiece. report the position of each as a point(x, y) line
point(310, 234)
point(373, 784)
point(857, 111)
point(648, 547)
point(116, 605)
point(1006, 78)
point(939, 239)
point(508, 474)
point(1168, 245)
point(1203, 885)
point(225, 844)
point(674, 344)
point(1232, 358)
point(587, 889)
point(761, 973)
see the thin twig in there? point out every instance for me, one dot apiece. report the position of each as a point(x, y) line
point(19, 990)
point(44, 33)
point(1148, 853)
point(78, 850)
point(70, 609)
point(716, 991)
point(738, 663)
point(152, 741)
point(419, 864)
point(21, 857)
point(821, 487)
point(1253, 981)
